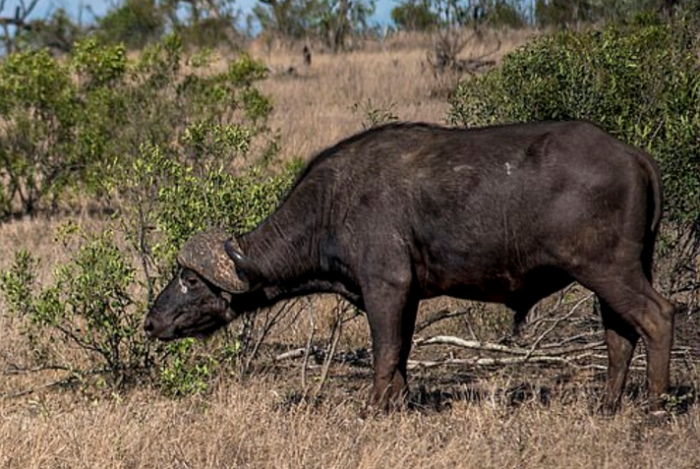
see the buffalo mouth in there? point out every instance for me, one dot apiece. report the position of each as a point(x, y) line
point(199, 330)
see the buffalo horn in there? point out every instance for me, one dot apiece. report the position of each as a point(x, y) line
point(204, 253)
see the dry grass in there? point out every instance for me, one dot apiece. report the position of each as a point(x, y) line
point(250, 425)
point(508, 418)
point(314, 105)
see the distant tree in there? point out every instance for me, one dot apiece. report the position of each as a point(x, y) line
point(203, 22)
point(12, 27)
point(133, 23)
point(198, 22)
point(57, 33)
point(331, 20)
point(563, 13)
point(424, 14)
point(501, 13)
point(289, 18)
point(415, 15)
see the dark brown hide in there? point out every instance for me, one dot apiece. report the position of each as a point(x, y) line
point(507, 214)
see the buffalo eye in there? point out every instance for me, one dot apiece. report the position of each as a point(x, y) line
point(190, 279)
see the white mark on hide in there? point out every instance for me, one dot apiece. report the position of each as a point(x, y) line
point(508, 169)
point(461, 167)
point(183, 287)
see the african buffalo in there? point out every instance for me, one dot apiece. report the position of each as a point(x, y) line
point(407, 211)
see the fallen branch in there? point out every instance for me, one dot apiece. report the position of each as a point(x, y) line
point(19, 370)
point(61, 382)
point(494, 361)
point(491, 347)
point(469, 344)
point(291, 354)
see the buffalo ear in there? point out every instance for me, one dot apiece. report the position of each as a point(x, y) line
point(245, 267)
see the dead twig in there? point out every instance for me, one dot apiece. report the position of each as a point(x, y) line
point(439, 316)
point(269, 324)
point(556, 323)
point(341, 307)
point(307, 350)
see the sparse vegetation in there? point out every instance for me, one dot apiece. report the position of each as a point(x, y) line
point(120, 155)
point(167, 177)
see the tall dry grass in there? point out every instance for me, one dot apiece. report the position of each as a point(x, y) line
point(316, 106)
point(250, 425)
point(508, 418)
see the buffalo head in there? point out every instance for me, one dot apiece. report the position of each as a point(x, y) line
point(197, 301)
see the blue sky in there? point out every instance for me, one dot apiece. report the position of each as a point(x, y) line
point(45, 7)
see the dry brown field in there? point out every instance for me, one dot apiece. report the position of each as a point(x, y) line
point(537, 415)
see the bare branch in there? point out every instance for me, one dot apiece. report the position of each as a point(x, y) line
point(439, 316)
point(335, 336)
point(25, 10)
point(559, 321)
point(470, 344)
point(307, 350)
point(292, 354)
point(14, 369)
point(490, 361)
point(491, 347)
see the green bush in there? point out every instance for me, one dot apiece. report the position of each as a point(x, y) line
point(98, 298)
point(88, 305)
point(641, 83)
point(38, 104)
point(156, 145)
point(70, 125)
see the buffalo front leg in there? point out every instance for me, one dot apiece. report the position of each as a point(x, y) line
point(391, 311)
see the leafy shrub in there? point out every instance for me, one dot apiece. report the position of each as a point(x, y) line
point(38, 106)
point(99, 65)
point(70, 125)
point(97, 300)
point(156, 145)
point(375, 115)
point(190, 370)
point(641, 83)
point(88, 305)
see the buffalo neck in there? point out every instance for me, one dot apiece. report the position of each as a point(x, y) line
point(284, 248)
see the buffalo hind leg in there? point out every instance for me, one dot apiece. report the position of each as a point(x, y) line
point(631, 296)
point(659, 349)
point(391, 311)
point(621, 339)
